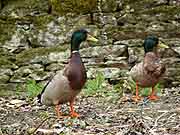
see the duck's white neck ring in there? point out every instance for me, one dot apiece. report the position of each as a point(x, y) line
point(75, 51)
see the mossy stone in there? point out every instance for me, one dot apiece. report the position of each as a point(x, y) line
point(151, 7)
point(28, 55)
point(6, 63)
point(6, 59)
point(7, 89)
point(22, 8)
point(7, 29)
point(109, 5)
point(4, 78)
point(73, 6)
point(54, 67)
point(39, 75)
point(168, 10)
point(40, 22)
point(1, 4)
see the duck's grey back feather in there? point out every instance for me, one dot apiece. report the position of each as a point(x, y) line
point(58, 91)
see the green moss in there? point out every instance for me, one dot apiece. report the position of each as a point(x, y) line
point(109, 5)
point(6, 59)
point(7, 29)
point(168, 10)
point(131, 1)
point(1, 5)
point(4, 93)
point(124, 33)
point(150, 7)
point(7, 89)
point(41, 21)
point(139, 4)
point(4, 78)
point(33, 52)
point(73, 6)
point(24, 7)
point(5, 62)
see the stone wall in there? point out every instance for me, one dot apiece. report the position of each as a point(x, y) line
point(35, 37)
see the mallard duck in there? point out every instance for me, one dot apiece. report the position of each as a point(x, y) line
point(150, 70)
point(67, 83)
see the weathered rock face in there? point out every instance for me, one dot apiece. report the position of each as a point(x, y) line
point(35, 36)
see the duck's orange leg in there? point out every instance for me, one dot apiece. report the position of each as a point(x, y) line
point(153, 96)
point(72, 112)
point(137, 97)
point(59, 114)
point(57, 108)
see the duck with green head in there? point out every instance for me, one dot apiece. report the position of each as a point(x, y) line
point(150, 70)
point(67, 83)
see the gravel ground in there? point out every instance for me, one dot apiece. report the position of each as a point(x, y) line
point(99, 115)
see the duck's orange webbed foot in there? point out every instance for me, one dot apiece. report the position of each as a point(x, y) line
point(58, 113)
point(72, 112)
point(153, 97)
point(136, 98)
point(74, 115)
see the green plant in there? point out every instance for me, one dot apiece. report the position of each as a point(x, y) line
point(114, 94)
point(43, 115)
point(159, 87)
point(94, 85)
point(33, 88)
point(19, 89)
point(129, 85)
point(147, 91)
point(118, 89)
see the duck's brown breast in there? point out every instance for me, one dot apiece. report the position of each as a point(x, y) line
point(75, 72)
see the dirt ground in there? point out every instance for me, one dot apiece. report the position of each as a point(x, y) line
point(99, 115)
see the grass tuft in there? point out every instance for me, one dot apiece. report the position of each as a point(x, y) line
point(95, 85)
point(33, 88)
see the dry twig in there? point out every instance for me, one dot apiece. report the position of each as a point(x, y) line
point(33, 132)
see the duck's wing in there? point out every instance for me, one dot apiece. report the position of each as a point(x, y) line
point(136, 72)
point(58, 90)
point(40, 94)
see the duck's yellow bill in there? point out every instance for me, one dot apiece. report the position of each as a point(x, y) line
point(162, 45)
point(91, 38)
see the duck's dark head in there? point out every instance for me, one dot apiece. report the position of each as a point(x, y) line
point(80, 36)
point(151, 43)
